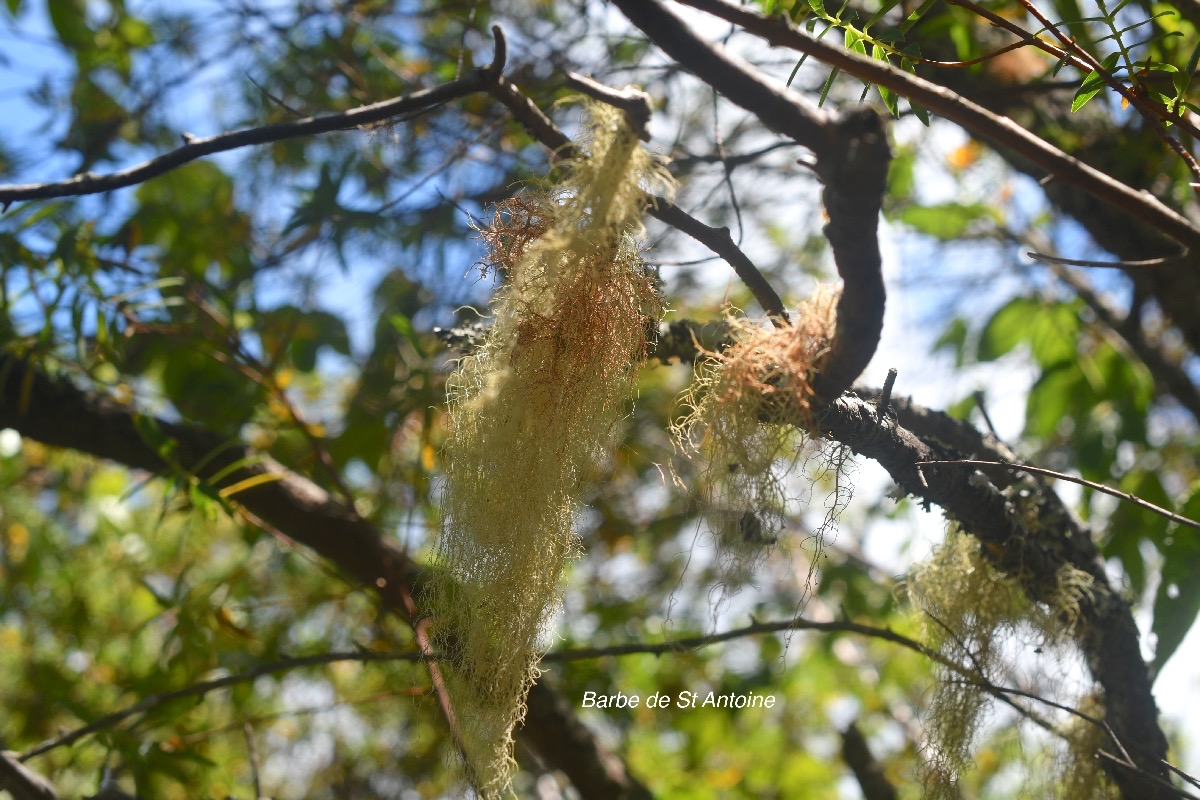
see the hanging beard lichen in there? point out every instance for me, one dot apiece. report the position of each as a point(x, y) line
point(532, 413)
point(969, 608)
point(744, 405)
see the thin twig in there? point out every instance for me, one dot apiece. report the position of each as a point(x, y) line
point(1078, 262)
point(1152, 113)
point(1182, 774)
point(1124, 763)
point(252, 756)
point(754, 629)
point(195, 148)
point(205, 687)
point(719, 142)
point(885, 394)
point(1099, 487)
point(981, 404)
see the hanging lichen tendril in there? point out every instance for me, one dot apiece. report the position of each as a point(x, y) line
point(532, 413)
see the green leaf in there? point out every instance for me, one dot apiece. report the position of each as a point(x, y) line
point(69, 18)
point(303, 334)
point(945, 221)
point(953, 338)
point(818, 7)
point(1093, 83)
point(206, 501)
point(206, 391)
point(1127, 549)
point(887, 95)
point(1194, 60)
point(1052, 397)
point(828, 85)
point(916, 16)
point(1130, 520)
point(1053, 334)
point(854, 42)
point(135, 32)
point(1050, 329)
point(884, 8)
point(1178, 600)
point(902, 174)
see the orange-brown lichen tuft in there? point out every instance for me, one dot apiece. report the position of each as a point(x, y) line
point(743, 407)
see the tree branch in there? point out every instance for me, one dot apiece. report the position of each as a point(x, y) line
point(867, 770)
point(1062, 476)
point(1033, 555)
point(22, 782)
point(780, 32)
point(194, 148)
point(203, 688)
point(56, 413)
point(852, 157)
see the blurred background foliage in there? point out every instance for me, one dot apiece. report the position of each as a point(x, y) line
point(288, 294)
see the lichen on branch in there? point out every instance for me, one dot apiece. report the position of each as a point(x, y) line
point(737, 411)
point(532, 412)
point(970, 609)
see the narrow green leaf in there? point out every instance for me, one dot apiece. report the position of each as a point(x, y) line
point(818, 7)
point(1093, 83)
point(916, 16)
point(885, 94)
point(1156, 38)
point(884, 8)
point(1181, 80)
point(1193, 61)
point(795, 70)
point(828, 85)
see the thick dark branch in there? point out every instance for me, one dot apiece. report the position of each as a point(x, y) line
point(195, 148)
point(1032, 544)
point(22, 782)
point(57, 413)
point(852, 157)
point(867, 770)
point(787, 114)
point(780, 32)
point(555, 732)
